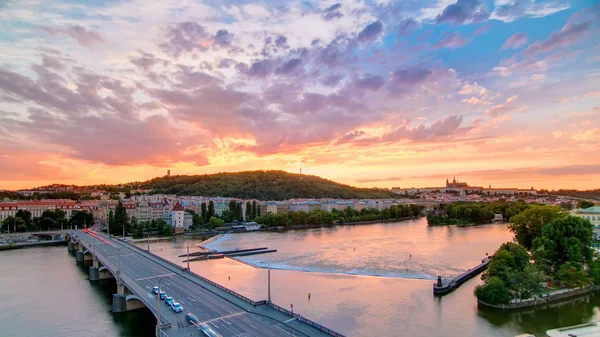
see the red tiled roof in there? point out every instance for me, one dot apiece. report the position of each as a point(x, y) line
point(178, 207)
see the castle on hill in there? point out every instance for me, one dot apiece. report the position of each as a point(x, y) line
point(463, 188)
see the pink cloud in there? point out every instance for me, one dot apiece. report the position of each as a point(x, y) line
point(516, 41)
point(569, 34)
point(82, 35)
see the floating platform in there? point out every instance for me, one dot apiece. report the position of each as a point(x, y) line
point(229, 253)
point(223, 252)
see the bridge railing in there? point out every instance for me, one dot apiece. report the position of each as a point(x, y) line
point(246, 299)
point(132, 285)
point(204, 279)
point(304, 320)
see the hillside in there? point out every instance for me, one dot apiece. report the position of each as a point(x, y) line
point(261, 185)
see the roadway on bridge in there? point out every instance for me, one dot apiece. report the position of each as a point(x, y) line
point(221, 314)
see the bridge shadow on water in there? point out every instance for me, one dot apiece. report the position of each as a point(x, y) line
point(136, 323)
point(542, 318)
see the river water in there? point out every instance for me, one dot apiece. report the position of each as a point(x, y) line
point(371, 280)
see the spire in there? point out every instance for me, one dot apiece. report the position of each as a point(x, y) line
point(454, 180)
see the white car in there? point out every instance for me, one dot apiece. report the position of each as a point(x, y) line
point(176, 307)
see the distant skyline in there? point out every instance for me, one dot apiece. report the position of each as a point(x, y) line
point(365, 93)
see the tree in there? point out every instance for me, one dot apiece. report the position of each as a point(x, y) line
point(493, 292)
point(572, 275)
point(81, 218)
point(25, 215)
point(528, 224)
point(254, 214)
point(168, 231)
point(121, 219)
point(215, 222)
point(203, 213)
point(585, 204)
point(12, 224)
point(238, 211)
point(566, 239)
point(248, 211)
point(211, 210)
point(111, 221)
point(566, 205)
point(160, 226)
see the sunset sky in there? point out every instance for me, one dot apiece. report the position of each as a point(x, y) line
point(367, 93)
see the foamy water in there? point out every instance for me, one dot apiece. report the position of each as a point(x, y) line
point(408, 249)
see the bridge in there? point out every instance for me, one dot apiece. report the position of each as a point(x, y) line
point(226, 312)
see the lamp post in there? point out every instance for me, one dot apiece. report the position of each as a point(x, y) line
point(269, 282)
point(148, 242)
point(188, 257)
point(158, 307)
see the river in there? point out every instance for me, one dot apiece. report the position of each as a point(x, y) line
point(369, 280)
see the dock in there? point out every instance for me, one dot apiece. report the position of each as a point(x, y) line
point(203, 253)
point(200, 256)
point(440, 289)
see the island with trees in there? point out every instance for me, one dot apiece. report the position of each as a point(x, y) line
point(552, 256)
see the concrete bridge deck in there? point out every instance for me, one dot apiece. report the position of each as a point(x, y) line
point(221, 309)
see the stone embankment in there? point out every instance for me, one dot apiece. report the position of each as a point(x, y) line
point(545, 299)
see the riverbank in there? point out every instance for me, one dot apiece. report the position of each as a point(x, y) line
point(355, 223)
point(33, 244)
point(557, 296)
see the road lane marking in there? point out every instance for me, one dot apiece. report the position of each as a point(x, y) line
point(223, 317)
point(151, 277)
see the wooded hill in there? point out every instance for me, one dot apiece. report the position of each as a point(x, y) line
point(261, 185)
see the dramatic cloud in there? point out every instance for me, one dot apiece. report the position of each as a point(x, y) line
point(185, 37)
point(82, 35)
point(569, 34)
point(404, 79)
point(371, 32)
point(120, 91)
point(439, 129)
point(516, 41)
point(464, 10)
point(452, 41)
point(372, 83)
point(333, 12)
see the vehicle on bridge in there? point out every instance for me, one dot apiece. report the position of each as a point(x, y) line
point(155, 289)
point(163, 295)
point(176, 307)
point(207, 331)
point(192, 319)
point(169, 300)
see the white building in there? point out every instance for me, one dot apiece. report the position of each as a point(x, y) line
point(178, 218)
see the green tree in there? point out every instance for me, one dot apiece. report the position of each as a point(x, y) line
point(121, 219)
point(254, 214)
point(528, 224)
point(238, 211)
point(215, 222)
point(12, 224)
point(211, 210)
point(111, 222)
point(81, 218)
point(572, 275)
point(493, 292)
point(248, 211)
point(585, 204)
point(204, 213)
point(566, 205)
point(160, 226)
point(25, 215)
point(168, 231)
point(566, 239)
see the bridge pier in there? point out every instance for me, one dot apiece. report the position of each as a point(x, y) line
point(99, 273)
point(122, 302)
point(83, 256)
point(70, 246)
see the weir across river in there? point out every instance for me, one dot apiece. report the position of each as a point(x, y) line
point(226, 312)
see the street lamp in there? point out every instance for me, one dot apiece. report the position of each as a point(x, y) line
point(158, 307)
